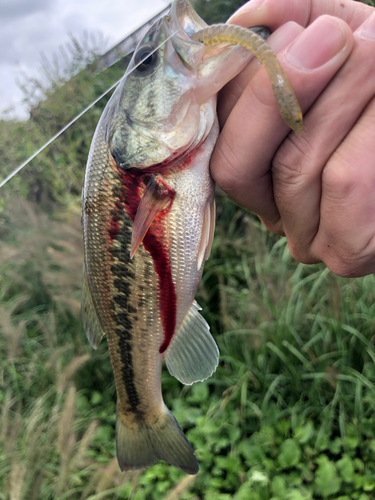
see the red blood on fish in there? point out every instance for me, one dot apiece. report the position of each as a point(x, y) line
point(114, 227)
point(155, 243)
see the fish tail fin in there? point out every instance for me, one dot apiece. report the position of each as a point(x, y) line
point(143, 445)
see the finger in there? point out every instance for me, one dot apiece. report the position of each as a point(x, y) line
point(274, 13)
point(254, 130)
point(230, 94)
point(298, 165)
point(345, 240)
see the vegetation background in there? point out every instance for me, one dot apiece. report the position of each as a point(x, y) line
point(289, 414)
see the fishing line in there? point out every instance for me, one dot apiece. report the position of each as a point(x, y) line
point(20, 167)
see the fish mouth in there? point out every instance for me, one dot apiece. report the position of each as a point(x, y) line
point(185, 18)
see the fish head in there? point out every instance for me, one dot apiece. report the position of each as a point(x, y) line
point(165, 106)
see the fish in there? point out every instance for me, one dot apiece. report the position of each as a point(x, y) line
point(148, 218)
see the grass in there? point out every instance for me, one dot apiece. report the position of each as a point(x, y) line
point(289, 414)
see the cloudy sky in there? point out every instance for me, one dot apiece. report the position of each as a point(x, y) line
point(29, 27)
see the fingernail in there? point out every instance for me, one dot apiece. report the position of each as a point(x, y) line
point(319, 43)
point(284, 35)
point(367, 30)
point(252, 5)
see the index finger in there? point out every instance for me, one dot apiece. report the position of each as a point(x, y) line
point(274, 13)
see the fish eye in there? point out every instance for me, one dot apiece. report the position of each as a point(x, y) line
point(145, 59)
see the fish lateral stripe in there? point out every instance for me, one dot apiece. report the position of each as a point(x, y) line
point(133, 184)
point(121, 308)
point(123, 330)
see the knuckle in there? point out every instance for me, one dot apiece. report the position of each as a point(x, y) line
point(294, 161)
point(348, 262)
point(343, 267)
point(348, 251)
point(301, 254)
point(339, 179)
point(274, 226)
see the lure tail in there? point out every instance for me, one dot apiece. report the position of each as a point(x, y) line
point(143, 445)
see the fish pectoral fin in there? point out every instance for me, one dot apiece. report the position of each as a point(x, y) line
point(207, 235)
point(91, 324)
point(156, 198)
point(192, 355)
point(140, 446)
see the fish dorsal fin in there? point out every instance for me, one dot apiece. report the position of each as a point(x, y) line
point(207, 235)
point(193, 354)
point(156, 198)
point(91, 324)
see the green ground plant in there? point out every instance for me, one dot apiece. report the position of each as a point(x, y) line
point(289, 413)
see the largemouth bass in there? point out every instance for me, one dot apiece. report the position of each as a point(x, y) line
point(148, 217)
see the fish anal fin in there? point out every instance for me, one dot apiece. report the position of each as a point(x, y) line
point(157, 196)
point(207, 235)
point(192, 355)
point(90, 320)
point(140, 446)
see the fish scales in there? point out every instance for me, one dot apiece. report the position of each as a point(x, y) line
point(148, 217)
point(116, 294)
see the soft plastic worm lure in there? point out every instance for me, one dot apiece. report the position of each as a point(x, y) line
point(286, 100)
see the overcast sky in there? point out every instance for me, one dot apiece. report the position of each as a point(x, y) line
point(29, 27)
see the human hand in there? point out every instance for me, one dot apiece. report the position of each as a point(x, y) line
point(317, 188)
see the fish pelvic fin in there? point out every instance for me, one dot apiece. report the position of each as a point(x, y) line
point(207, 235)
point(192, 355)
point(91, 324)
point(141, 446)
point(157, 197)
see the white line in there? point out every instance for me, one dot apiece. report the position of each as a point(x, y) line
point(56, 136)
point(12, 174)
